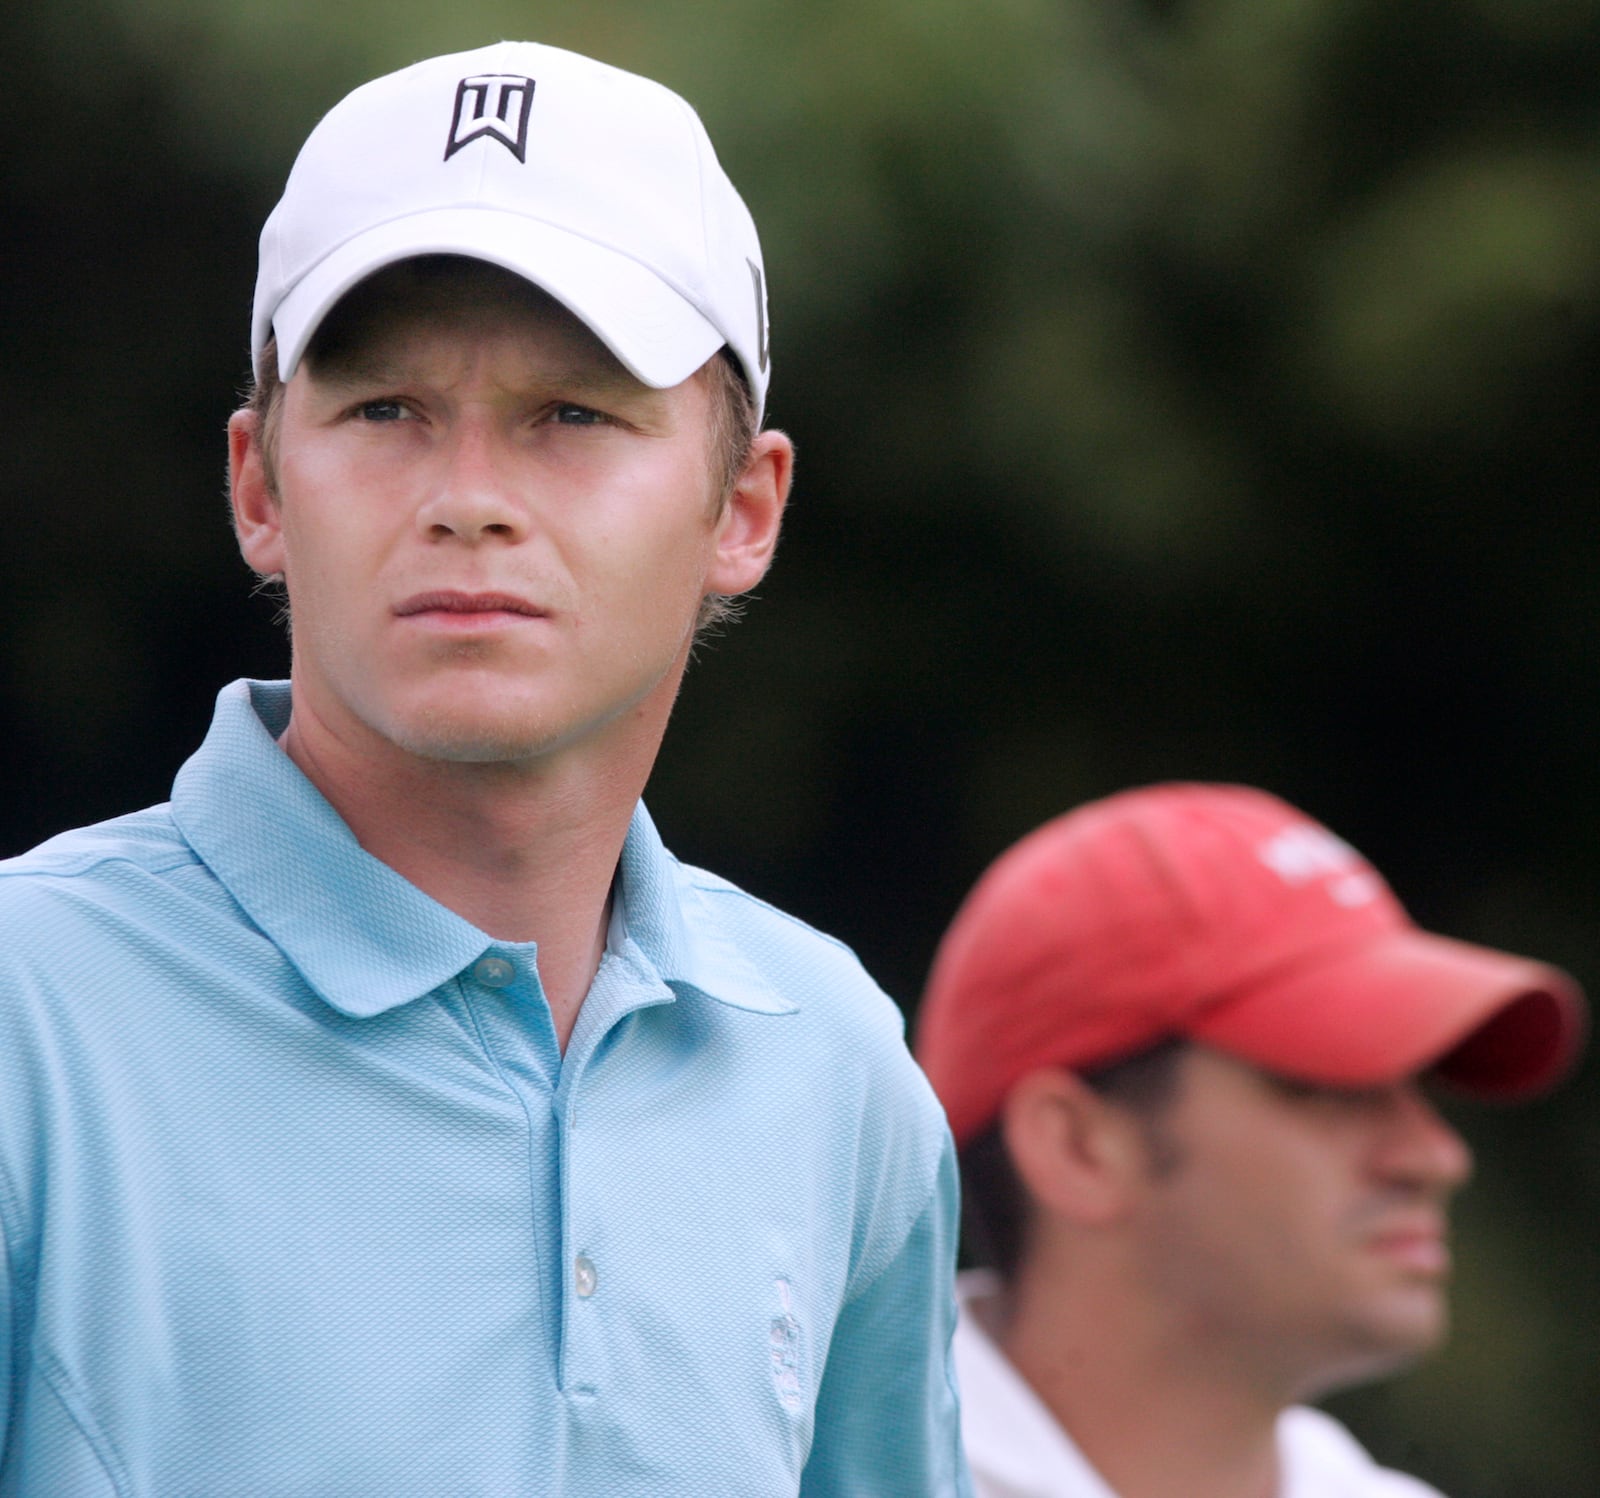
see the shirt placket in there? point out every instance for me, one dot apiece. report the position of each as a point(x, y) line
point(623, 986)
point(507, 1003)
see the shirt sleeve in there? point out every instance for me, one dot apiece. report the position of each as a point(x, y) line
point(887, 1418)
point(7, 1390)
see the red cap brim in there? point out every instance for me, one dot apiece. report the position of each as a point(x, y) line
point(1405, 1002)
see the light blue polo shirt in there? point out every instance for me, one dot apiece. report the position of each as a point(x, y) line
point(300, 1197)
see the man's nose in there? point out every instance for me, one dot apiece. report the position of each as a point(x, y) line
point(472, 494)
point(1419, 1146)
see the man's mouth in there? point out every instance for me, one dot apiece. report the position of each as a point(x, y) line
point(1420, 1243)
point(452, 602)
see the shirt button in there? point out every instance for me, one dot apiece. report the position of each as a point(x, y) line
point(584, 1278)
point(493, 972)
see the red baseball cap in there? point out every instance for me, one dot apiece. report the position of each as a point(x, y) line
point(1222, 914)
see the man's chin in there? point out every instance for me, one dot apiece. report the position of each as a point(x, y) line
point(1381, 1348)
point(473, 738)
point(495, 719)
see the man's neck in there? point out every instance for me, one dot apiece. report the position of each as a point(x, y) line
point(525, 852)
point(1155, 1417)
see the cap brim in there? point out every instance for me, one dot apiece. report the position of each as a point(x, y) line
point(1489, 1023)
point(652, 328)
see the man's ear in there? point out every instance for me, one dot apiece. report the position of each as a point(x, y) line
point(257, 519)
point(1080, 1157)
point(747, 531)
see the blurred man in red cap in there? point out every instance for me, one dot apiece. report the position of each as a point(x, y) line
point(1179, 1035)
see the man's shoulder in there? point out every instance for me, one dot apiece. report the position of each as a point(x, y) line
point(837, 1024)
point(140, 843)
point(84, 900)
point(91, 892)
point(822, 1045)
point(1322, 1459)
point(807, 967)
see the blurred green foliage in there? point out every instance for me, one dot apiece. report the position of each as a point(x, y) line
point(1194, 389)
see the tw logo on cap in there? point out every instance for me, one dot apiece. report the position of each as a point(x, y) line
point(492, 104)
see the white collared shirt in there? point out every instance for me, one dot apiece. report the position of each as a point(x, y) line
point(1017, 1449)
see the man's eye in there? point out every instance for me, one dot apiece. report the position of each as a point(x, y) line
point(381, 410)
point(570, 415)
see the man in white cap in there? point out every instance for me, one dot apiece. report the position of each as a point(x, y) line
point(1179, 1033)
point(391, 1113)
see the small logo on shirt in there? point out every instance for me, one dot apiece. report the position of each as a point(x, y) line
point(785, 1346)
point(492, 104)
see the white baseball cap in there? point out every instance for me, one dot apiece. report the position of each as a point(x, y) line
point(597, 185)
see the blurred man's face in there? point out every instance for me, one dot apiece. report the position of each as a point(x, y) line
point(1301, 1228)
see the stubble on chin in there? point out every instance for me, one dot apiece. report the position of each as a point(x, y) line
point(461, 736)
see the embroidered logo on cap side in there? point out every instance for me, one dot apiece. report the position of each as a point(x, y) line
point(761, 314)
point(492, 104)
point(1300, 854)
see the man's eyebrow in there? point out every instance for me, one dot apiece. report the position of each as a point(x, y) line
point(609, 379)
point(352, 369)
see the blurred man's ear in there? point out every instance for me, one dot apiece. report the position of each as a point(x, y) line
point(1081, 1157)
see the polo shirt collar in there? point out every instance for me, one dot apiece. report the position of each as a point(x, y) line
point(672, 927)
point(365, 938)
point(362, 936)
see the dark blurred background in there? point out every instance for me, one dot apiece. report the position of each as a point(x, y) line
point(1182, 390)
